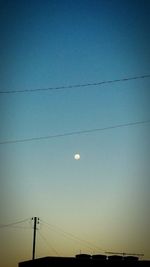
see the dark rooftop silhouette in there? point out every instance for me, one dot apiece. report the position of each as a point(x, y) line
point(85, 260)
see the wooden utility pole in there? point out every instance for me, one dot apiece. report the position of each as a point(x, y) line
point(36, 220)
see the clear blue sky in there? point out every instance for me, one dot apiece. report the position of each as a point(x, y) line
point(104, 197)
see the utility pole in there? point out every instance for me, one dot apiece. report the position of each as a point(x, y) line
point(36, 220)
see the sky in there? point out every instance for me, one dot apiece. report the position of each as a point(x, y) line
point(103, 198)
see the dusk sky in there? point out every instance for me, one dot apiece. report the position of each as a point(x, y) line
point(104, 197)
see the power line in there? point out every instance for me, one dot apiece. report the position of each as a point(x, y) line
point(73, 133)
point(19, 227)
point(88, 244)
point(48, 244)
point(75, 85)
point(13, 224)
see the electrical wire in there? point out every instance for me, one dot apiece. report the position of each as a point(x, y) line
point(21, 227)
point(75, 85)
point(48, 244)
point(73, 133)
point(73, 237)
point(13, 224)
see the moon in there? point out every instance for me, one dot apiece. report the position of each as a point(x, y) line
point(77, 156)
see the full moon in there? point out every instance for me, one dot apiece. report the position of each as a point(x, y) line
point(77, 156)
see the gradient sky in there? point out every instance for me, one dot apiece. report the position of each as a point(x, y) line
point(104, 197)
